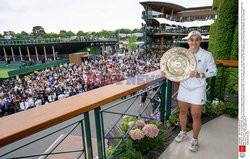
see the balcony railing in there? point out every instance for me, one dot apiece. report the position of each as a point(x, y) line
point(149, 15)
point(55, 41)
point(75, 110)
point(177, 30)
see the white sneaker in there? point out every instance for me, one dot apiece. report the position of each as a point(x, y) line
point(181, 136)
point(193, 145)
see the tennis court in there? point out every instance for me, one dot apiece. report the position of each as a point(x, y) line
point(4, 72)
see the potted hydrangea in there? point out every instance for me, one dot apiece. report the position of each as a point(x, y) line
point(145, 139)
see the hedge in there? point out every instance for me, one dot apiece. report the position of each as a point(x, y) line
point(227, 18)
point(212, 37)
point(216, 4)
point(234, 50)
point(223, 42)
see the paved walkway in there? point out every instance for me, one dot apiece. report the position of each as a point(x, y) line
point(218, 139)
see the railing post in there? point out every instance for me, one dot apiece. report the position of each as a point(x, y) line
point(212, 88)
point(163, 100)
point(221, 82)
point(99, 132)
point(103, 135)
point(169, 99)
point(83, 139)
point(88, 135)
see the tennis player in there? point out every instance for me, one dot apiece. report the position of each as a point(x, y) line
point(192, 91)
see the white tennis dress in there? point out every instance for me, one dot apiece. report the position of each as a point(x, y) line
point(193, 90)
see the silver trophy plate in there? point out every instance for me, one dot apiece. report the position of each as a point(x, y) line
point(177, 63)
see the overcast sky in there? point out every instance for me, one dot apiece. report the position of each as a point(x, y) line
point(75, 15)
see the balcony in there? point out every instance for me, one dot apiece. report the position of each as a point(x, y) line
point(177, 18)
point(223, 127)
point(82, 126)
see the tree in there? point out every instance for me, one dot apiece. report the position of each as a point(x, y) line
point(70, 33)
point(19, 36)
point(9, 34)
point(131, 42)
point(38, 31)
point(136, 30)
point(103, 33)
point(125, 31)
point(80, 33)
point(22, 35)
point(93, 34)
point(50, 35)
point(63, 33)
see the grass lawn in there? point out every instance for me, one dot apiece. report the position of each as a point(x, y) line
point(4, 72)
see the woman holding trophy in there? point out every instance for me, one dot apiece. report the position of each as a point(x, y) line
point(192, 90)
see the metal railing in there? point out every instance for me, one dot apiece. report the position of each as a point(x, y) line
point(60, 112)
point(84, 124)
point(161, 87)
point(55, 41)
point(178, 31)
point(227, 68)
point(12, 128)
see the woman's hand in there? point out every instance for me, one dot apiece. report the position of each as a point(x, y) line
point(194, 74)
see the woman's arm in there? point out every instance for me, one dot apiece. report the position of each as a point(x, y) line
point(211, 67)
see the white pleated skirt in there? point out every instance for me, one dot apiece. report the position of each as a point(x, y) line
point(195, 96)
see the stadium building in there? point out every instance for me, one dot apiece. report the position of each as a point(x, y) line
point(166, 23)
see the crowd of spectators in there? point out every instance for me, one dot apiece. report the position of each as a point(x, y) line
point(38, 88)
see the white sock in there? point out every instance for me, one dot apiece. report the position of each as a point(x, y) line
point(194, 139)
point(184, 132)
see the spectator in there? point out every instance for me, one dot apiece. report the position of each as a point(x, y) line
point(70, 79)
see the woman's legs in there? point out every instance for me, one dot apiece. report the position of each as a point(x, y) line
point(183, 114)
point(196, 116)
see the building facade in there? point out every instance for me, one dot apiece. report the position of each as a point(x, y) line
point(167, 23)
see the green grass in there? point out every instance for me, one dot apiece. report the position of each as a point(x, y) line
point(4, 72)
point(7, 71)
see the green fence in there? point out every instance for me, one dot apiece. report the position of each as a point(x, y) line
point(17, 69)
point(29, 69)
